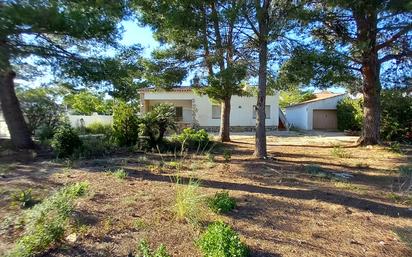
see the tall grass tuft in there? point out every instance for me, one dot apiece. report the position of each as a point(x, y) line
point(189, 203)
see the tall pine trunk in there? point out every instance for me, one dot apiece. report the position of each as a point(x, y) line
point(225, 120)
point(260, 139)
point(18, 129)
point(366, 21)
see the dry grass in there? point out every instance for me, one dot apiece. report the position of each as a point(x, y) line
point(281, 210)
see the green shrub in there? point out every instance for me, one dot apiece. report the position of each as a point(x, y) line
point(221, 202)
point(99, 128)
point(46, 222)
point(125, 124)
point(120, 174)
point(349, 114)
point(157, 122)
point(193, 139)
point(65, 141)
point(93, 147)
point(396, 115)
point(227, 155)
point(189, 203)
point(219, 240)
point(145, 251)
point(340, 152)
point(44, 133)
point(24, 198)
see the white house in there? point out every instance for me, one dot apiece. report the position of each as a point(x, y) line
point(318, 113)
point(198, 110)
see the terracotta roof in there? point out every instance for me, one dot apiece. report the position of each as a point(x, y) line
point(319, 97)
point(177, 89)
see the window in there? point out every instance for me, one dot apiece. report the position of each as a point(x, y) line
point(179, 113)
point(216, 111)
point(267, 111)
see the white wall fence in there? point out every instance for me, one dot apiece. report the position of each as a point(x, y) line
point(77, 121)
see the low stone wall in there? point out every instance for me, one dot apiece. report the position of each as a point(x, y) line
point(214, 129)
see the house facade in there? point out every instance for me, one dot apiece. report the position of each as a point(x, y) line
point(193, 110)
point(319, 113)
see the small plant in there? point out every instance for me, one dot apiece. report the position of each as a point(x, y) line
point(23, 198)
point(395, 148)
point(210, 157)
point(220, 240)
point(46, 222)
point(189, 204)
point(340, 152)
point(145, 251)
point(221, 202)
point(65, 141)
point(174, 165)
point(119, 173)
point(193, 139)
point(139, 224)
point(227, 155)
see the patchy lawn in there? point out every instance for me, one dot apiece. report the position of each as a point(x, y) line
point(297, 203)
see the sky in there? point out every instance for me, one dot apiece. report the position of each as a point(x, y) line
point(134, 33)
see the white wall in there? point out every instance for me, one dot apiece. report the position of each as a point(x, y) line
point(241, 112)
point(4, 130)
point(301, 116)
point(94, 118)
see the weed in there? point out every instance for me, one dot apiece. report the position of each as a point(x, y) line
point(139, 224)
point(210, 157)
point(174, 165)
point(395, 148)
point(189, 203)
point(24, 198)
point(119, 173)
point(220, 240)
point(340, 152)
point(221, 202)
point(46, 222)
point(145, 251)
point(227, 155)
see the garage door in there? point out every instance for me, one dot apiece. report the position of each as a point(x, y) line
point(325, 119)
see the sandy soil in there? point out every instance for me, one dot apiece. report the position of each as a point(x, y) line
point(282, 210)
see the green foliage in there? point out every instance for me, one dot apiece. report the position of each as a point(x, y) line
point(189, 203)
point(87, 102)
point(219, 240)
point(193, 139)
point(125, 124)
point(294, 96)
point(120, 174)
point(395, 147)
point(155, 123)
point(65, 141)
point(99, 128)
point(93, 146)
point(145, 251)
point(40, 107)
point(24, 198)
point(340, 152)
point(349, 114)
point(221, 202)
point(46, 222)
point(396, 116)
point(227, 155)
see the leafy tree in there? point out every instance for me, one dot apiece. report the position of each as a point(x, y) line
point(62, 35)
point(349, 114)
point(369, 39)
point(40, 107)
point(155, 123)
point(201, 35)
point(86, 103)
point(294, 96)
point(125, 124)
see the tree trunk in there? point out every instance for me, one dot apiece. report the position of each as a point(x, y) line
point(225, 120)
point(18, 129)
point(371, 102)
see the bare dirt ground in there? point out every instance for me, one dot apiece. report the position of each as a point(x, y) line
point(282, 210)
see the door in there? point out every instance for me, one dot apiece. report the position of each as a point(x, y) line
point(325, 119)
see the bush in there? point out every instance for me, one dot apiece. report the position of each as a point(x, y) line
point(193, 139)
point(125, 124)
point(24, 198)
point(99, 128)
point(349, 114)
point(189, 204)
point(221, 202)
point(396, 115)
point(65, 141)
point(219, 240)
point(145, 251)
point(93, 147)
point(46, 222)
point(155, 123)
point(120, 174)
